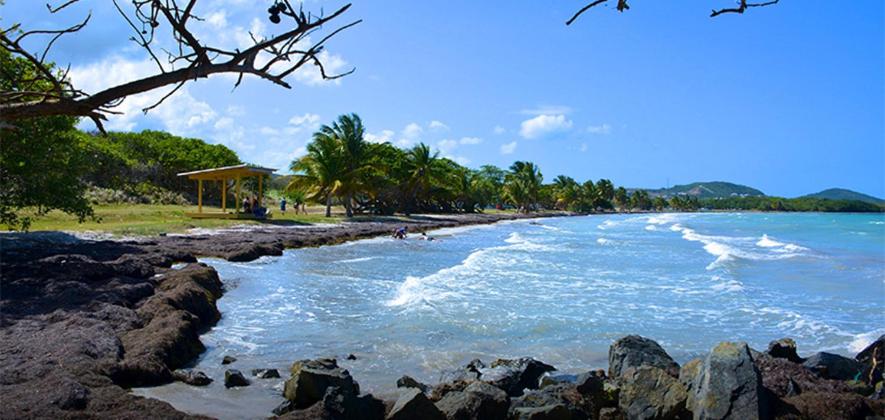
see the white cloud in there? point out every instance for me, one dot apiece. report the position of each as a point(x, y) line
point(181, 113)
point(547, 110)
point(217, 19)
point(470, 140)
point(383, 137)
point(437, 125)
point(410, 135)
point(461, 160)
point(310, 74)
point(544, 124)
point(498, 130)
point(269, 131)
point(509, 148)
point(308, 120)
point(583, 147)
point(600, 129)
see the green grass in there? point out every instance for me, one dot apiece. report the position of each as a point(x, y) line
point(144, 219)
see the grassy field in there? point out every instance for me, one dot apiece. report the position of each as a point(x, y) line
point(144, 219)
point(147, 219)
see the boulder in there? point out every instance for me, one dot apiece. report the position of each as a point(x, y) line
point(785, 348)
point(469, 373)
point(515, 375)
point(833, 366)
point(226, 360)
point(548, 380)
point(336, 404)
point(479, 401)
point(234, 378)
point(635, 351)
point(578, 405)
point(408, 382)
point(547, 412)
point(650, 393)
point(813, 405)
point(191, 377)
point(728, 385)
point(611, 413)
point(873, 360)
point(351, 356)
point(311, 378)
point(785, 378)
point(265, 373)
point(413, 404)
point(590, 383)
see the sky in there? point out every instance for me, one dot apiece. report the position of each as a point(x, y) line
point(789, 99)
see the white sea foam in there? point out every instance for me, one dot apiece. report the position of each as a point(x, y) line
point(861, 341)
point(604, 241)
point(607, 224)
point(662, 219)
point(353, 260)
point(651, 228)
point(877, 222)
point(767, 242)
point(729, 248)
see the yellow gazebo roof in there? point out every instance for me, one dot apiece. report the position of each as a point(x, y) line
point(228, 172)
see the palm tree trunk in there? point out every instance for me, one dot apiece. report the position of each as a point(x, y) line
point(348, 205)
point(329, 205)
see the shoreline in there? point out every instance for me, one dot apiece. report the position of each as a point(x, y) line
point(84, 320)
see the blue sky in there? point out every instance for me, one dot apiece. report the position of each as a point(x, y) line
point(789, 99)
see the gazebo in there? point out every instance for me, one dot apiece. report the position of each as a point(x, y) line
point(224, 174)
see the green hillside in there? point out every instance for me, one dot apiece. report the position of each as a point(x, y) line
point(715, 189)
point(844, 194)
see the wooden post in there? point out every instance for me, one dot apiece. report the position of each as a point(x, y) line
point(238, 195)
point(260, 194)
point(224, 195)
point(200, 196)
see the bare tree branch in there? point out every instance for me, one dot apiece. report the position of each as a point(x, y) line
point(28, 100)
point(622, 6)
point(743, 7)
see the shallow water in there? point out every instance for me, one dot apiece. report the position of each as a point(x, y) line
point(561, 291)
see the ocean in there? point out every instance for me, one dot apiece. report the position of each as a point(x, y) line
point(557, 289)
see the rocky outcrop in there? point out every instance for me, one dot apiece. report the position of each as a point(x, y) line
point(833, 366)
point(872, 358)
point(336, 404)
point(406, 381)
point(635, 351)
point(649, 393)
point(785, 348)
point(312, 378)
point(265, 373)
point(728, 386)
point(234, 378)
point(515, 375)
point(191, 377)
point(478, 401)
point(413, 404)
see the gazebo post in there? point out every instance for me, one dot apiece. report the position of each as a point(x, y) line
point(199, 196)
point(238, 195)
point(260, 193)
point(224, 195)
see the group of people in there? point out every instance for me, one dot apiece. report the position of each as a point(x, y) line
point(299, 207)
point(402, 232)
point(252, 205)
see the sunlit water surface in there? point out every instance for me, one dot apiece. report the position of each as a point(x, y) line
point(560, 290)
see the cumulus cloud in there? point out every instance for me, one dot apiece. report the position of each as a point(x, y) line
point(599, 129)
point(470, 140)
point(498, 130)
point(180, 114)
point(437, 125)
point(447, 145)
point(543, 125)
point(508, 148)
point(410, 135)
point(382, 137)
point(307, 122)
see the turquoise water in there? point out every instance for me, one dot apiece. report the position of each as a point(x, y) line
point(560, 290)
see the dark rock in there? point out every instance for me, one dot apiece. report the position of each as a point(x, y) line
point(469, 373)
point(515, 375)
point(635, 351)
point(311, 378)
point(647, 392)
point(873, 360)
point(812, 405)
point(234, 378)
point(777, 375)
point(413, 404)
point(578, 405)
point(443, 389)
point(785, 348)
point(70, 395)
point(408, 382)
point(337, 405)
point(689, 371)
point(833, 366)
point(476, 365)
point(728, 385)
point(793, 388)
point(191, 377)
point(226, 360)
point(284, 407)
point(479, 401)
point(266, 373)
point(591, 383)
point(351, 357)
point(611, 413)
point(549, 412)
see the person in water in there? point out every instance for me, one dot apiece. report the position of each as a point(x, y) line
point(400, 233)
point(424, 237)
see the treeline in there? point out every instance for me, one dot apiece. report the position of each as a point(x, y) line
point(341, 167)
point(790, 204)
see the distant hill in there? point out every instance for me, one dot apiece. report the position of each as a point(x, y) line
point(843, 194)
point(715, 189)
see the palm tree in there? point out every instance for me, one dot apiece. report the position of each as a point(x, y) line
point(356, 155)
point(425, 172)
point(318, 172)
point(523, 185)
